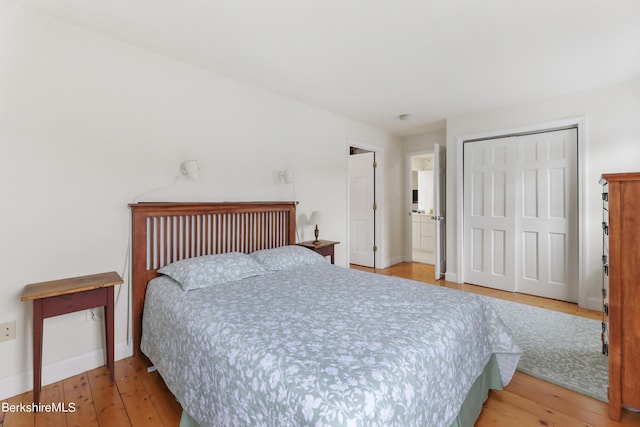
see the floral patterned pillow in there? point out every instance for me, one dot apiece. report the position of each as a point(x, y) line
point(208, 270)
point(286, 257)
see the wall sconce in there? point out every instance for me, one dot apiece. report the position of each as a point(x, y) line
point(190, 169)
point(286, 176)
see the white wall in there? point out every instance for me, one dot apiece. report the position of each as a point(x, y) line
point(88, 123)
point(424, 141)
point(611, 144)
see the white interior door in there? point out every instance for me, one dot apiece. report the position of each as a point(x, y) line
point(361, 212)
point(489, 222)
point(547, 215)
point(439, 191)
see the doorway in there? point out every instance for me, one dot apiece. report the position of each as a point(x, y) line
point(426, 235)
point(422, 223)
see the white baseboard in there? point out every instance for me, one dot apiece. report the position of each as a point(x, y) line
point(388, 262)
point(23, 382)
point(423, 257)
point(451, 277)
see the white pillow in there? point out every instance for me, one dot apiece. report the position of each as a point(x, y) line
point(208, 270)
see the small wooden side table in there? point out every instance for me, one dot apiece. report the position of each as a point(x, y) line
point(66, 296)
point(323, 247)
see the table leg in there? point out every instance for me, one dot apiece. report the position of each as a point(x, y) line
point(37, 349)
point(109, 333)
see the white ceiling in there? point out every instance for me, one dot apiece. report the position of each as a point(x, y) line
point(372, 60)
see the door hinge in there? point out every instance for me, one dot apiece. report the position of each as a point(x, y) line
point(375, 248)
point(375, 206)
point(375, 164)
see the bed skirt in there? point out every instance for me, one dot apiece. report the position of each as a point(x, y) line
point(489, 379)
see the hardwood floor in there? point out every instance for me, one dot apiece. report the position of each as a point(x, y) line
point(139, 398)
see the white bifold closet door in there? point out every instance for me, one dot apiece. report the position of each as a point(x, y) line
point(521, 214)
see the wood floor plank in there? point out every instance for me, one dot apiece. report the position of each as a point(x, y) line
point(78, 392)
point(109, 407)
point(491, 417)
point(138, 405)
point(51, 401)
point(19, 417)
point(517, 415)
point(558, 398)
point(574, 405)
point(506, 399)
point(3, 403)
point(165, 403)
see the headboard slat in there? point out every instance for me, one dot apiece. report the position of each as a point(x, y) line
point(163, 233)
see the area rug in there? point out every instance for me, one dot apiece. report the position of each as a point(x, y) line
point(559, 348)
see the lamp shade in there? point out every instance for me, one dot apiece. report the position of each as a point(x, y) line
point(314, 218)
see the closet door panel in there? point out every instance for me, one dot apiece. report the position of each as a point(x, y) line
point(488, 213)
point(547, 206)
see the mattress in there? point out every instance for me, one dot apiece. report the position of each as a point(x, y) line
point(321, 345)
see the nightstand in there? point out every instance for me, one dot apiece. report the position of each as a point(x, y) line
point(323, 247)
point(66, 296)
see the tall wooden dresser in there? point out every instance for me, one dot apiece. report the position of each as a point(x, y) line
point(621, 288)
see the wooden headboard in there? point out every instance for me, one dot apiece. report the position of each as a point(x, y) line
point(163, 233)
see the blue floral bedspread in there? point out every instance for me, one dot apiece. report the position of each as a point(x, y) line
point(322, 345)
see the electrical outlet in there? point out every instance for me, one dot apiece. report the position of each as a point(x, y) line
point(8, 331)
point(92, 314)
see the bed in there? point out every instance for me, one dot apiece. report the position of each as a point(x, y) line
point(248, 329)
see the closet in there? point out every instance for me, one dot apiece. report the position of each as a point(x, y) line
point(520, 213)
point(621, 288)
